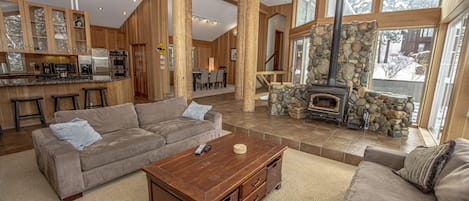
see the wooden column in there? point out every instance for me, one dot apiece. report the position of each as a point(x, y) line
point(240, 54)
point(251, 50)
point(180, 47)
point(189, 49)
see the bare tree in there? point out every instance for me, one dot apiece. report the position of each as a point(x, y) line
point(397, 63)
point(388, 37)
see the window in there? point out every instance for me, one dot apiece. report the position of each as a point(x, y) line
point(351, 7)
point(447, 73)
point(402, 60)
point(305, 11)
point(171, 57)
point(300, 60)
point(398, 5)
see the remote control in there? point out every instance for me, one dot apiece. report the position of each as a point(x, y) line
point(199, 149)
point(207, 148)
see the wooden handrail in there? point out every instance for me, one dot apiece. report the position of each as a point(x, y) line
point(270, 58)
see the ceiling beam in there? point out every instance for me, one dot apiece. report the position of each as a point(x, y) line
point(262, 9)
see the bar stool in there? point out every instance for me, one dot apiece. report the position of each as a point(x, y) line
point(74, 98)
point(18, 117)
point(102, 96)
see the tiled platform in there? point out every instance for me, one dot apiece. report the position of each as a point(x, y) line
point(317, 137)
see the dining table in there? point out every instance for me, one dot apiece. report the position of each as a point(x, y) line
point(198, 74)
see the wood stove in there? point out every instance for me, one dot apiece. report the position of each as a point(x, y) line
point(328, 102)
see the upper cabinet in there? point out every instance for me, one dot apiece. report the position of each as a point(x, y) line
point(109, 38)
point(37, 28)
point(61, 39)
point(81, 37)
point(37, 23)
point(13, 27)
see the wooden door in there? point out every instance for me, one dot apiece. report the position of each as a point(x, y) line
point(111, 39)
point(13, 30)
point(81, 36)
point(140, 70)
point(61, 39)
point(38, 22)
point(278, 49)
point(121, 43)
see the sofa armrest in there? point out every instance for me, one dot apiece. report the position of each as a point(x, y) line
point(387, 157)
point(59, 162)
point(216, 118)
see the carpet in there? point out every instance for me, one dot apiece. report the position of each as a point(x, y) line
point(305, 178)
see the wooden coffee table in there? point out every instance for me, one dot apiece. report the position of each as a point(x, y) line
point(219, 174)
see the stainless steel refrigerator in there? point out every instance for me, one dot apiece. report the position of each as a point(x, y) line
point(100, 61)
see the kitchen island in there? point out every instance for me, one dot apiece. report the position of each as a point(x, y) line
point(119, 90)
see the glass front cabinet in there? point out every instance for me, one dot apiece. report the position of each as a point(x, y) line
point(42, 29)
point(13, 27)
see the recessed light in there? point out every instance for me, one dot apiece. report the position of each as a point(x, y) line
point(134, 1)
point(124, 13)
point(100, 8)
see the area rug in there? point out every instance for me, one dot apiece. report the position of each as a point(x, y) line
point(305, 178)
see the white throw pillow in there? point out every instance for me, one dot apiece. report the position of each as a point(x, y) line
point(77, 132)
point(196, 111)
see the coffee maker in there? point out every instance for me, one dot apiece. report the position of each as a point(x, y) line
point(47, 68)
point(84, 65)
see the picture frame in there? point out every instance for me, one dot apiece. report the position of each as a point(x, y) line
point(233, 54)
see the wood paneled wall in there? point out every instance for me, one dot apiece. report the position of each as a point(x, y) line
point(148, 25)
point(109, 38)
point(221, 50)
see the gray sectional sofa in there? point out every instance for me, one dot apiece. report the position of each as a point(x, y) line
point(374, 179)
point(133, 136)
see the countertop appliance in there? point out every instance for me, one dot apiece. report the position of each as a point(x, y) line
point(85, 66)
point(64, 67)
point(100, 61)
point(47, 68)
point(119, 63)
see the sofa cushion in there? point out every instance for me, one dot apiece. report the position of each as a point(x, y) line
point(179, 128)
point(423, 165)
point(119, 145)
point(150, 113)
point(452, 183)
point(103, 120)
point(377, 182)
point(196, 111)
point(453, 187)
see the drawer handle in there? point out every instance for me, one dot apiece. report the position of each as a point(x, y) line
point(257, 198)
point(257, 182)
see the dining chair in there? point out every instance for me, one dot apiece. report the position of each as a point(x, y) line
point(202, 81)
point(220, 75)
point(213, 79)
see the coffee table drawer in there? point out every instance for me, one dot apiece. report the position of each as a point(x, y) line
point(253, 183)
point(257, 195)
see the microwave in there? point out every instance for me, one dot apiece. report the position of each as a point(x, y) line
point(64, 67)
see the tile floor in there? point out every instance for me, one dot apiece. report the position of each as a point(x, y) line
point(312, 136)
point(317, 137)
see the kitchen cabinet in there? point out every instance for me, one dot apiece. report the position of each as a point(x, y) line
point(81, 36)
point(108, 38)
point(13, 26)
point(42, 29)
point(37, 24)
point(61, 40)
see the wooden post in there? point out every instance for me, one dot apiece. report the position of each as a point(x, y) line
point(251, 49)
point(189, 49)
point(240, 56)
point(180, 47)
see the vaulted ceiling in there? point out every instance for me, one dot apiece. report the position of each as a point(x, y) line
point(112, 14)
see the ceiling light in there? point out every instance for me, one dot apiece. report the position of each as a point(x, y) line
point(100, 8)
point(134, 1)
point(196, 18)
point(124, 13)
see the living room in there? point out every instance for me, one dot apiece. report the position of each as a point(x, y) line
point(234, 100)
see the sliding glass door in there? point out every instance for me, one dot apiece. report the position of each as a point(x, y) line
point(446, 75)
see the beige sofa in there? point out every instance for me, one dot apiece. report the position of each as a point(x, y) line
point(133, 136)
point(374, 179)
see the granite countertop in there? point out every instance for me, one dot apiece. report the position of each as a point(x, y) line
point(36, 82)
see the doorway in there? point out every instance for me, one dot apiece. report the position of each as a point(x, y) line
point(140, 70)
point(278, 50)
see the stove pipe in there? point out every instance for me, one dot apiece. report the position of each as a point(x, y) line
point(333, 63)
